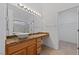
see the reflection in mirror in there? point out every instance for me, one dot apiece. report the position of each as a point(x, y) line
point(17, 20)
point(21, 27)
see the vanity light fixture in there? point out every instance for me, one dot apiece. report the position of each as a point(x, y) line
point(20, 5)
point(25, 7)
point(32, 12)
point(36, 13)
point(28, 9)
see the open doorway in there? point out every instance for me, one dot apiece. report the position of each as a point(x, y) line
point(67, 28)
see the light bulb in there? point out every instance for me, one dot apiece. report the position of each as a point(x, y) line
point(36, 13)
point(25, 8)
point(21, 4)
point(33, 11)
point(28, 8)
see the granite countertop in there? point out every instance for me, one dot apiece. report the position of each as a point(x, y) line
point(14, 39)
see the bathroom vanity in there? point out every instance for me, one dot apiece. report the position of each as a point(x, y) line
point(31, 45)
point(18, 20)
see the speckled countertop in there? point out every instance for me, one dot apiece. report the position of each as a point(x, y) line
point(15, 39)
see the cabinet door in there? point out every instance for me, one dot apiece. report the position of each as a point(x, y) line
point(39, 44)
point(31, 50)
point(20, 52)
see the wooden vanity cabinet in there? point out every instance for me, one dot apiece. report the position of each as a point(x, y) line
point(23, 48)
point(31, 47)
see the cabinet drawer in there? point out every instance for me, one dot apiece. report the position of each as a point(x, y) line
point(21, 52)
point(14, 48)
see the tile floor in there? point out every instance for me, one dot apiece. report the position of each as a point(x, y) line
point(65, 48)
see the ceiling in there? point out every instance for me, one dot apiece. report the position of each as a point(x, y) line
point(52, 7)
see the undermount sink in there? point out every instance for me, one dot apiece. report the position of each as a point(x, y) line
point(21, 35)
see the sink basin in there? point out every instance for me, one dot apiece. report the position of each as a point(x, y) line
point(21, 35)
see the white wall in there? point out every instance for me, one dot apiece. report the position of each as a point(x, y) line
point(68, 25)
point(49, 20)
point(50, 25)
point(2, 28)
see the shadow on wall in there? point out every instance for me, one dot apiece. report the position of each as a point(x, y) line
point(48, 42)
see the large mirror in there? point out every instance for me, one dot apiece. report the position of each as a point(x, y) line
point(17, 20)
